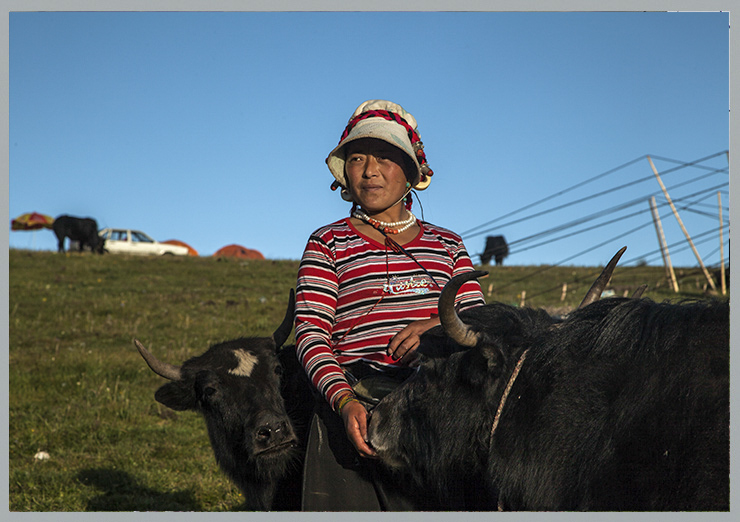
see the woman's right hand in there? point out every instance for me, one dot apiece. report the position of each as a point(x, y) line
point(354, 415)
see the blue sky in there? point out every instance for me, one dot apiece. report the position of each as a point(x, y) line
point(212, 128)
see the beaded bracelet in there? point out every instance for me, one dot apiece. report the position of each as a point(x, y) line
point(341, 403)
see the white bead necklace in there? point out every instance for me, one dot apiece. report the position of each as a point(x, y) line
point(387, 227)
point(359, 214)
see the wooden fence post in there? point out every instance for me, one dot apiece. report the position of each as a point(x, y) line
point(685, 232)
point(669, 273)
point(721, 247)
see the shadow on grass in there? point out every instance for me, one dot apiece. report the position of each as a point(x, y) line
point(121, 492)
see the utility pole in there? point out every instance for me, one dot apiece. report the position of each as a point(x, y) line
point(721, 247)
point(685, 232)
point(669, 273)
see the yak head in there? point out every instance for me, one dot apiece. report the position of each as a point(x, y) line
point(97, 244)
point(235, 386)
point(428, 426)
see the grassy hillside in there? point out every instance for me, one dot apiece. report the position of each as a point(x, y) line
point(80, 392)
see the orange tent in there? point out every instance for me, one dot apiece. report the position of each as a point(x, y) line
point(191, 250)
point(238, 251)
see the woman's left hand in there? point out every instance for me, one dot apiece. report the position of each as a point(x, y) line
point(405, 342)
point(354, 416)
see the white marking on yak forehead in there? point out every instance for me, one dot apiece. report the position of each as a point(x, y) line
point(247, 362)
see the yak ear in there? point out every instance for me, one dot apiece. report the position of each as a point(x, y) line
point(481, 365)
point(177, 395)
point(493, 356)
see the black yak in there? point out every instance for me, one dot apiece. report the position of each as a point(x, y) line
point(82, 230)
point(624, 405)
point(496, 248)
point(256, 401)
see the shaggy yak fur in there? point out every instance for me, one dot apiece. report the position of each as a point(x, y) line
point(255, 401)
point(624, 405)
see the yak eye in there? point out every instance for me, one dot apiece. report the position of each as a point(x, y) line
point(278, 370)
point(208, 391)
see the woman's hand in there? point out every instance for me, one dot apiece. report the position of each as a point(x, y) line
point(405, 342)
point(354, 415)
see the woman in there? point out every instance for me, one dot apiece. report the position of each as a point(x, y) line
point(367, 289)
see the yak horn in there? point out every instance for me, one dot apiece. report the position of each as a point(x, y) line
point(594, 292)
point(283, 331)
point(638, 293)
point(166, 370)
point(458, 331)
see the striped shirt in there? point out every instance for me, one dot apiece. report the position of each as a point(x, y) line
point(354, 294)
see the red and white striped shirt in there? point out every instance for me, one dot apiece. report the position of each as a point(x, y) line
point(354, 294)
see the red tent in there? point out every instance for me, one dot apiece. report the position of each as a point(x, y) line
point(191, 250)
point(238, 251)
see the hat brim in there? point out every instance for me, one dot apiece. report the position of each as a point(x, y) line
point(380, 129)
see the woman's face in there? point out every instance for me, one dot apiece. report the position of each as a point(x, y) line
point(375, 174)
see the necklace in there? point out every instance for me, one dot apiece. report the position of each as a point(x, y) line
point(359, 214)
point(389, 228)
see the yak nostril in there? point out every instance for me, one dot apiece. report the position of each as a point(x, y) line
point(264, 433)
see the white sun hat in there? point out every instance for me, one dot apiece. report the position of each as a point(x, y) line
point(387, 121)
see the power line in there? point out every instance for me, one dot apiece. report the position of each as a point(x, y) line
point(695, 163)
point(686, 201)
point(577, 185)
point(612, 239)
point(680, 246)
point(608, 191)
point(626, 263)
point(471, 232)
point(706, 214)
point(596, 215)
point(615, 220)
point(570, 258)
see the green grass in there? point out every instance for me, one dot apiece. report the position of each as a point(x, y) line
point(80, 391)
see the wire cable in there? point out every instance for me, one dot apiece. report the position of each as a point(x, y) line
point(697, 241)
point(472, 232)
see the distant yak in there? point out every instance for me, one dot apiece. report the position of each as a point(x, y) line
point(82, 230)
point(496, 248)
